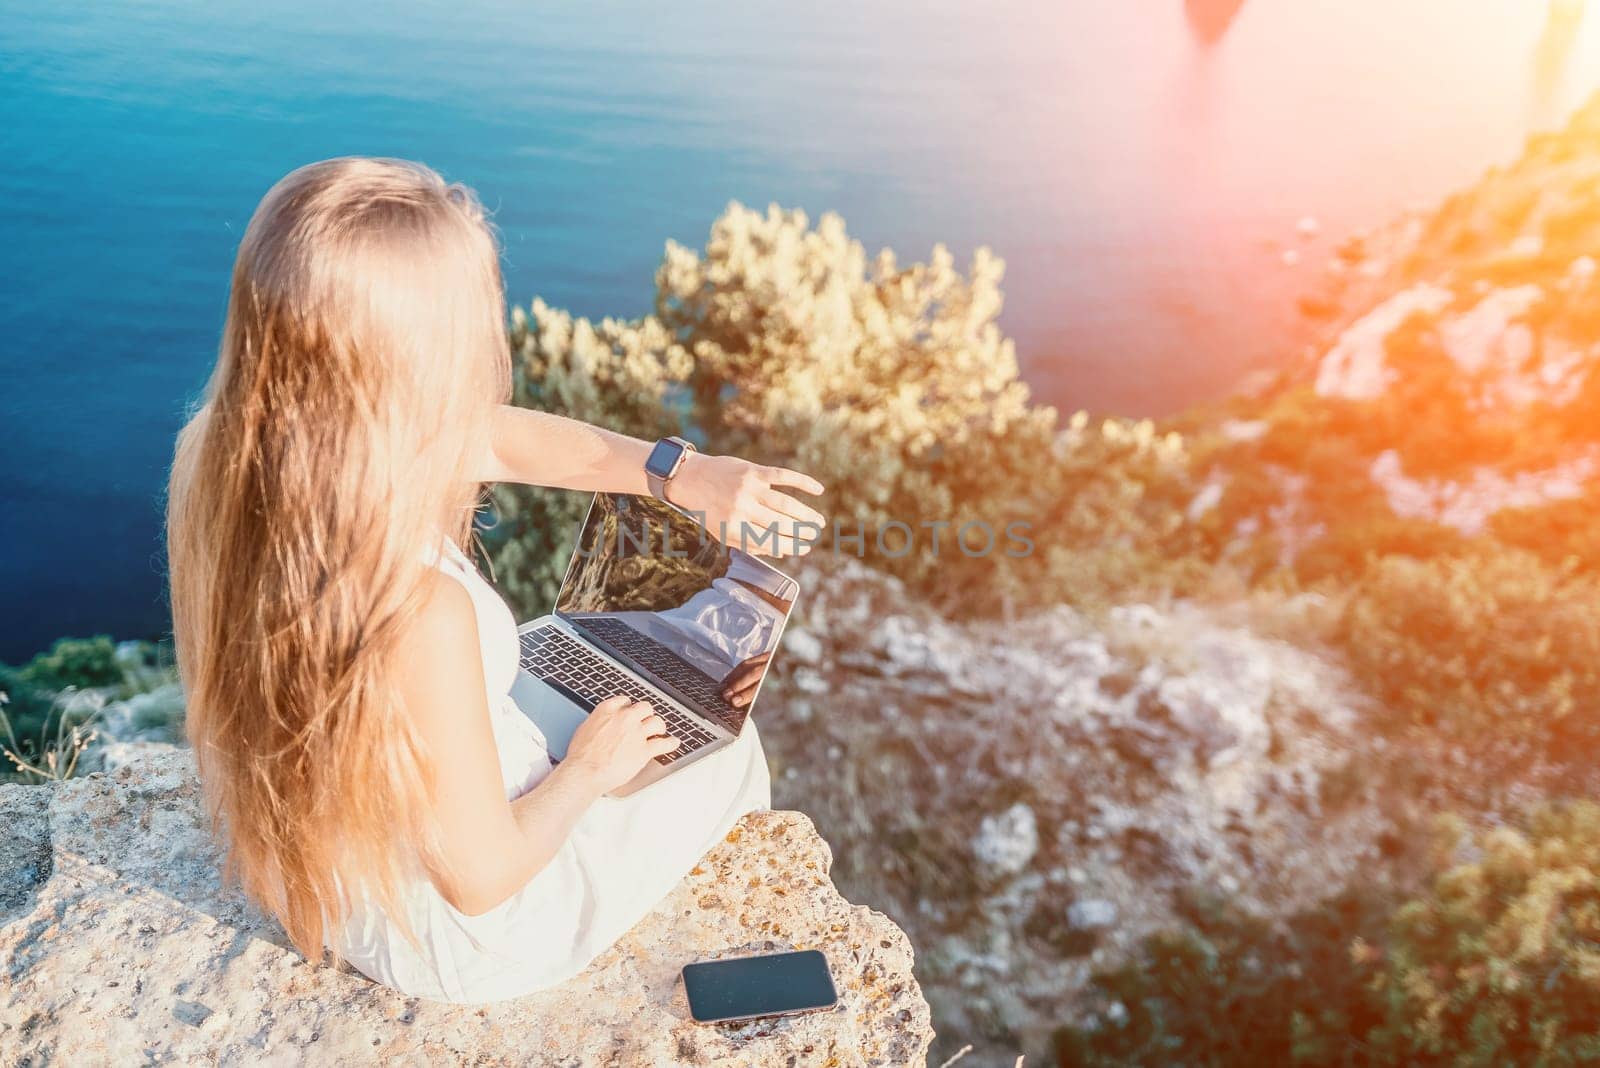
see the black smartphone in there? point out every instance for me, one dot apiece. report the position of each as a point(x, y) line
point(770, 984)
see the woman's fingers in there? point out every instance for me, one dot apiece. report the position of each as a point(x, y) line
point(615, 704)
point(795, 511)
point(740, 682)
point(782, 476)
point(753, 666)
point(660, 745)
point(740, 688)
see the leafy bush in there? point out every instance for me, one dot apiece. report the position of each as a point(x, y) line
point(83, 663)
point(1559, 531)
point(1499, 962)
point(28, 706)
point(1231, 989)
point(50, 702)
point(1491, 644)
point(1496, 962)
point(1344, 553)
point(32, 690)
point(892, 384)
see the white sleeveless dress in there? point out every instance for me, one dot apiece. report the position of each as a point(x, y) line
point(623, 856)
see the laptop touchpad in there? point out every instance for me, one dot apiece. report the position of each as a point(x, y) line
point(552, 712)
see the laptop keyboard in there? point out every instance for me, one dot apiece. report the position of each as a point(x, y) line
point(588, 678)
point(703, 691)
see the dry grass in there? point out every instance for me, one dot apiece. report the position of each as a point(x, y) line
point(55, 753)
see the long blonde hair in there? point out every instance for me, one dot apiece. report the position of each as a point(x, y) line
point(363, 352)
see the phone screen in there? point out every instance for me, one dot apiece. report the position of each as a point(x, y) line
point(767, 985)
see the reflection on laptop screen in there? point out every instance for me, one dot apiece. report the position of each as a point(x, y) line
point(651, 587)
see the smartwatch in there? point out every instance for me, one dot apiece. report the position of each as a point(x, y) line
point(663, 462)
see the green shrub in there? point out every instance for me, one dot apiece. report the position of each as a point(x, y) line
point(83, 663)
point(1499, 962)
point(33, 690)
point(1496, 962)
point(1231, 989)
point(1493, 645)
point(892, 384)
point(67, 686)
point(1347, 550)
point(1562, 532)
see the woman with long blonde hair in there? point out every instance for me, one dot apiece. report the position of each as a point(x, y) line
point(347, 669)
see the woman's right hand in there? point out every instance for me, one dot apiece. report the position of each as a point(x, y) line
point(616, 740)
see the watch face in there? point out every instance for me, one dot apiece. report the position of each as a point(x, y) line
point(663, 458)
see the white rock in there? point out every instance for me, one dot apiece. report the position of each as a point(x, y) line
point(1244, 429)
point(1209, 497)
point(1482, 338)
point(1468, 504)
point(1006, 842)
point(1563, 368)
point(1139, 616)
point(1526, 246)
point(1356, 366)
point(802, 645)
point(1223, 712)
point(110, 756)
point(1580, 271)
point(903, 642)
point(809, 680)
point(1092, 914)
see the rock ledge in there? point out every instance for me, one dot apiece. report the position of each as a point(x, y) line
point(119, 943)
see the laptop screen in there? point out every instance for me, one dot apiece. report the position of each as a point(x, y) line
point(650, 586)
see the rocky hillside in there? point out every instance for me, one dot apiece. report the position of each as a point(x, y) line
point(120, 944)
point(1028, 800)
point(1449, 393)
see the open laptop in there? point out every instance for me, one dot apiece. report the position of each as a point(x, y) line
point(656, 608)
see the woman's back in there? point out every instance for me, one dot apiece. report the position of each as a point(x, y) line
point(623, 856)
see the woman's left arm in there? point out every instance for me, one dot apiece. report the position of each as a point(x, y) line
point(734, 495)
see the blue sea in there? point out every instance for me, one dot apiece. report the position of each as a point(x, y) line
point(1140, 166)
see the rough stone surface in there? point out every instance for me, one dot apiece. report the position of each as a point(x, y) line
point(25, 860)
point(120, 945)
